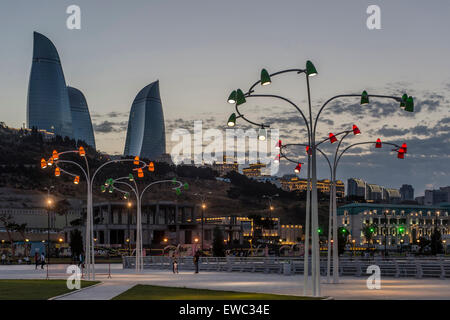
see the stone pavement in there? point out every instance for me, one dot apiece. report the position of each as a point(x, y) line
point(349, 288)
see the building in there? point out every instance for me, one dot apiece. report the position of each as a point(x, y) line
point(254, 170)
point(81, 118)
point(48, 105)
point(146, 136)
point(391, 195)
point(435, 197)
point(394, 225)
point(294, 183)
point(407, 192)
point(226, 166)
point(356, 187)
point(291, 234)
point(374, 192)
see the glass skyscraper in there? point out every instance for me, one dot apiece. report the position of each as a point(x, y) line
point(146, 136)
point(48, 102)
point(81, 119)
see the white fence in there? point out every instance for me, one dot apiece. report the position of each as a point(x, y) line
point(394, 267)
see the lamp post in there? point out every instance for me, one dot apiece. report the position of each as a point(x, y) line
point(203, 197)
point(333, 197)
point(237, 98)
point(49, 203)
point(112, 185)
point(90, 177)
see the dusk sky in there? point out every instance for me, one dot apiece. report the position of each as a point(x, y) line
point(202, 50)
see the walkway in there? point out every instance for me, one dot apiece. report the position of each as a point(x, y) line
point(349, 288)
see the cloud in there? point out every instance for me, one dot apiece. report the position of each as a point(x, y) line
point(109, 127)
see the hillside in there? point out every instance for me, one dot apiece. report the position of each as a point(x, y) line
point(22, 182)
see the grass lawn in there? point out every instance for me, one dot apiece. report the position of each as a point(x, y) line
point(35, 289)
point(145, 292)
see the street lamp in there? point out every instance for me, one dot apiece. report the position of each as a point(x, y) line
point(237, 97)
point(49, 203)
point(112, 185)
point(90, 177)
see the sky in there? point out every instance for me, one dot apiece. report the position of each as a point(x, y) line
point(201, 50)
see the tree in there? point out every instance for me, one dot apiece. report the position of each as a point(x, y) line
point(436, 242)
point(342, 239)
point(218, 245)
point(10, 226)
point(368, 232)
point(76, 242)
point(62, 207)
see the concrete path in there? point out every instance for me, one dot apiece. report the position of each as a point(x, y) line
point(349, 288)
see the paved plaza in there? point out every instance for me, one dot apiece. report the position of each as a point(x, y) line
point(123, 279)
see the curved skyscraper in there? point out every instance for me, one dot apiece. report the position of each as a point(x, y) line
point(81, 118)
point(48, 102)
point(146, 135)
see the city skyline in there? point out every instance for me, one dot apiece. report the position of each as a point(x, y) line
point(199, 77)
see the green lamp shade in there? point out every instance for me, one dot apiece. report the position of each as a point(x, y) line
point(174, 180)
point(131, 177)
point(178, 191)
point(232, 97)
point(265, 78)
point(240, 98)
point(403, 101)
point(310, 69)
point(111, 189)
point(103, 188)
point(186, 186)
point(364, 98)
point(232, 120)
point(409, 104)
point(126, 195)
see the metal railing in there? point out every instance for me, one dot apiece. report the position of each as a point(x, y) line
point(390, 267)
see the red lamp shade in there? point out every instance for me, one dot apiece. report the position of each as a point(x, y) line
point(76, 180)
point(308, 150)
point(278, 145)
point(43, 163)
point(57, 172)
point(55, 155)
point(332, 138)
point(298, 168)
point(378, 144)
point(82, 152)
point(405, 147)
point(136, 161)
point(401, 153)
point(356, 130)
point(140, 173)
point(151, 167)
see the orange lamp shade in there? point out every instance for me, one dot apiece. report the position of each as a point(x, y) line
point(332, 138)
point(140, 173)
point(136, 161)
point(57, 172)
point(82, 152)
point(378, 143)
point(43, 164)
point(55, 155)
point(151, 167)
point(50, 162)
point(76, 180)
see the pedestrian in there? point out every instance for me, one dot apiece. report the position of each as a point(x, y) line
point(196, 260)
point(36, 259)
point(174, 264)
point(42, 260)
point(80, 263)
point(3, 258)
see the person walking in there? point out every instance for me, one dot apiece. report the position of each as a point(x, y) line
point(196, 260)
point(42, 260)
point(3, 258)
point(36, 259)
